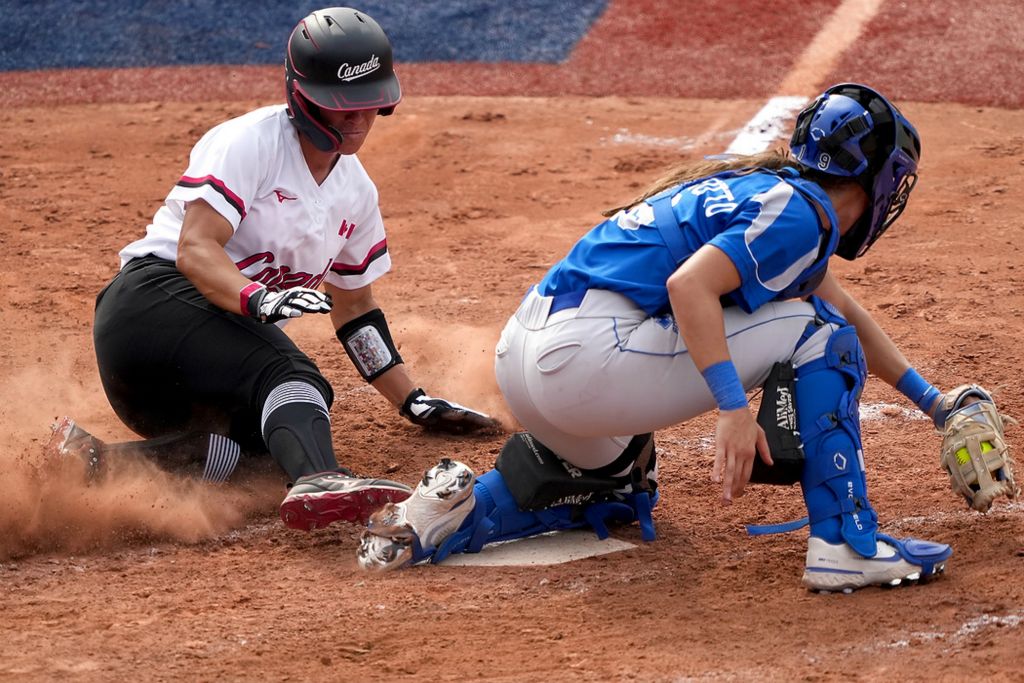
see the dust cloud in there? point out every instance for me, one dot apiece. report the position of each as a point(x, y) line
point(454, 362)
point(47, 505)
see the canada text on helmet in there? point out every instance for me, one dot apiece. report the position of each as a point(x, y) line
point(337, 59)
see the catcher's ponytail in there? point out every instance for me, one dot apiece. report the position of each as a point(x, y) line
point(686, 171)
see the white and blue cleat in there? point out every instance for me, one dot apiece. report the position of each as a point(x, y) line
point(837, 567)
point(405, 533)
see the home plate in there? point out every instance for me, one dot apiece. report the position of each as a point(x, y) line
point(554, 547)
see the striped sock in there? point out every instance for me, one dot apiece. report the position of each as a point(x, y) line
point(221, 458)
point(292, 392)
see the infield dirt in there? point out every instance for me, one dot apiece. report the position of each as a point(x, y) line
point(156, 577)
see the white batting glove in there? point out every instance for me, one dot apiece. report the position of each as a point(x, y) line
point(437, 414)
point(270, 307)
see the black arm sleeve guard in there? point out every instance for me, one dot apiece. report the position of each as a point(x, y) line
point(367, 340)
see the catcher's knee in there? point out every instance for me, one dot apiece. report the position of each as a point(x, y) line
point(532, 491)
point(539, 478)
point(828, 391)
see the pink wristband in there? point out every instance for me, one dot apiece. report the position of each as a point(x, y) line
point(247, 292)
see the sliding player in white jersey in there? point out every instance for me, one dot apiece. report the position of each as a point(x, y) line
point(274, 206)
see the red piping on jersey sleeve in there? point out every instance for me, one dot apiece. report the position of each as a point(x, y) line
point(376, 251)
point(218, 185)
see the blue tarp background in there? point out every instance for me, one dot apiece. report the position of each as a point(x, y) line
point(51, 34)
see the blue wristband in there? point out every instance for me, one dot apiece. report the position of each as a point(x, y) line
point(917, 389)
point(725, 384)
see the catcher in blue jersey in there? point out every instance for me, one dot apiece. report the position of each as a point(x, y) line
point(712, 283)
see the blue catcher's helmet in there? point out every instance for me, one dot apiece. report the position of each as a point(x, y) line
point(852, 131)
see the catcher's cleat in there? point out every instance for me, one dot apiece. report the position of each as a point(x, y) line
point(837, 567)
point(316, 500)
point(68, 439)
point(408, 532)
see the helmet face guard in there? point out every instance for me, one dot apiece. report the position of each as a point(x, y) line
point(338, 59)
point(852, 131)
point(890, 191)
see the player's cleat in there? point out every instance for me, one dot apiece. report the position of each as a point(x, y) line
point(404, 533)
point(837, 567)
point(67, 439)
point(316, 500)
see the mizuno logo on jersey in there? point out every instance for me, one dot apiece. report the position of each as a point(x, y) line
point(351, 73)
point(282, 197)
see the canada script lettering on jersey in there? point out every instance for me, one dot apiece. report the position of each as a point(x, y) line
point(348, 72)
point(346, 228)
point(282, 197)
point(281, 277)
point(718, 198)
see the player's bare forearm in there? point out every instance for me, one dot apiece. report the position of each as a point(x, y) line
point(395, 385)
point(694, 292)
point(702, 327)
point(884, 358)
point(349, 303)
point(202, 259)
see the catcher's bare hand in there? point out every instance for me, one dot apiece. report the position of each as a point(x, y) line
point(738, 438)
point(974, 451)
point(437, 414)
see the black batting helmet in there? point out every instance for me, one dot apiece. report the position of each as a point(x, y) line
point(337, 59)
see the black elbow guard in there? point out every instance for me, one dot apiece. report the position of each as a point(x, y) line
point(367, 340)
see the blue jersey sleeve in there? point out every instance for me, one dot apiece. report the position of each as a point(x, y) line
point(774, 238)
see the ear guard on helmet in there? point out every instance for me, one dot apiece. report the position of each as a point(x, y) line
point(851, 131)
point(338, 59)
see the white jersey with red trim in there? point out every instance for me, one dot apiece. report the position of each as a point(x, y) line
point(288, 231)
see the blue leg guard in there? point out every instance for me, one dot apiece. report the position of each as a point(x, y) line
point(497, 517)
point(828, 412)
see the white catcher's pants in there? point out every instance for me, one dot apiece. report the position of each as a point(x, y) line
point(585, 380)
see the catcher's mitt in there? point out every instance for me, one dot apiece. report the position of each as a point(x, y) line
point(974, 451)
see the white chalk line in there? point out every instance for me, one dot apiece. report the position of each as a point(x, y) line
point(682, 143)
point(767, 126)
point(968, 629)
point(999, 508)
point(869, 412)
point(841, 30)
point(771, 122)
point(873, 412)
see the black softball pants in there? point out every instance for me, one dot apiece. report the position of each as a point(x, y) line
point(170, 361)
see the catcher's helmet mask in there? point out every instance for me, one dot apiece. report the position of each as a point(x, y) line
point(338, 59)
point(852, 131)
